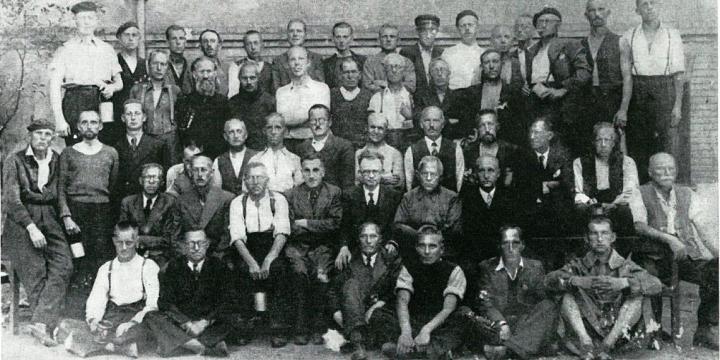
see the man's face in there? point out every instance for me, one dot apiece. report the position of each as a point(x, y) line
point(467, 26)
point(649, 10)
point(125, 245)
point(604, 142)
point(210, 44)
point(201, 172)
point(133, 117)
point(342, 37)
point(502, 39)
point(313, 172)
point(389, 39)
point(204, 75)
point(440, 74)
point(491, 66)
point(432, 123)
point(369, 240)
point(524, 29)
point(89, 125)
point(296, 33)
point(158, 66)
point(600, 237)
point(319, 122)
point(376, 129)
point(188, 154)
point(429, 248)
point(547, 25)
point(394, 70)
point(86, 22)
point(663, 171)
point(256, 180)
point(596, 13)
point(429, 176)
point(130, 38)
point(41, 139)
point(274, 131)
point(253, 46)
point(176, 41)
point(196, 245)
point(235, 134)
point(298, 61)
point(249, 78)
point(488, 172)
point(539, 136)
point(487, 129)
point(151, 180)
point(511, 244)
point(427, 35)
point(370, 172)
point(350, 77)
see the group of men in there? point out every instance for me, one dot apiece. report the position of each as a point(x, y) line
point(390, 196)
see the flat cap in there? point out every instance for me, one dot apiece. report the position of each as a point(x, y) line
point(37, 124)
point(465, 13)
point(546, 10)
point(84, 6)
point(131, 101)
point(427, 20)
point(125, 26)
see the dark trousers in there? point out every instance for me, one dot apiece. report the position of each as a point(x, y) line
point(354, 292)
point(171, 337)
point(601, 104)
point(401, 139)
point(76, 100)
point(309, 300)
point(649, 117)
point(118, 314)
point(566, 117)
point(384, 327)
point(45, 273)
point(172, 144)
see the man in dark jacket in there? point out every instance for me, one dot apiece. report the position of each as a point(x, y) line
point(252, 104)
point(342, 36)
point(422, 53)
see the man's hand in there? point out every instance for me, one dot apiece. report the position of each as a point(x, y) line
point(107, 90)
point(197, 327)
point(610, 284)
point(582, 282)
point(541, 91)
point(368, 314)
point(338, 318)
point(405, 344)
point(36, 236)
point(382, 84)
point(343, 258)
point(303, 223)
point(546, 187)
point(265, 268)
point(676, 116)
point(678, 248)
point(70, 226)
point(423, 338)
point(390, 248)
point(526, 90)
point(93, 325)
point(556, 94)
point(254, 269)
point(505, 332)
point(453, 121)
point(620, 118)
point(406, 110)
point(62, 128)
point(124, 327)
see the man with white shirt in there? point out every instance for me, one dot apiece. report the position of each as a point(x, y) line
point(524, 32)
point(295, 99)
point(254, 46)
point(229, 167)
point(282, 68)
point(464, 58)
point(424, 51)
point(259, 228)
point(654, 52)
point(374, 70)
point(282, 165)
point(432, 121)
point(393, 174)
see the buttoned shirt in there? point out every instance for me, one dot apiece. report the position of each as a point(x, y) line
point(541, 66)
point(294, 101)
point(283, 168)
point(259, 218)
point(501, 267)
point(85, 61)
point(319, 144)
point(602, 176)
point(464, 63)
point(43, 167)
point(375, 194)
point(389, 104)
point(236, 159)
point(487, 196)
point(196, 266)
point(410, 168)
point(664, 57)
point(392, 161)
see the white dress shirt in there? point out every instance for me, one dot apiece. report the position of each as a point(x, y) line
point(375, 194)
point(196, 267)
point(541, 66)
point(371, 259)
point(464, 63)
point(259, 217)
point(545, 157)
point(487, 196)
point(664, 57)
point(319, 144)
point(294, 101)
point(501, 266)
point(283, 168)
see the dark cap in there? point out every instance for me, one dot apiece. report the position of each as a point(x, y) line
point(84, 6)
point(426, 20)
point(465, 13)
point(546, 10)
point(125, 26)
point(38, 124)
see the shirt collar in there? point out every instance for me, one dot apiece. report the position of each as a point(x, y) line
point(614, 261)
point(485, 194)
point(545, 154)
point(429, 142)
point(145, 199)
point(237, 155)
point(501, 266)
point(30, 152)
point(138, 137)
point(88, 40)
point(672, 199)
point(199, 265)
point(324, 140)
point(304, 84)
point(373, 257)
point(376, 192)
point(349, 95)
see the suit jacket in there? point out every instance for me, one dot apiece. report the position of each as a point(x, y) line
point(427, 96)
point(265, 79)
point(413, 53)
point(149, 150)
point(338, 156)
point(190, 214)
point(481, 223)
point(466, 103)
point(185, 297)
point(356, 212)
point(152, 228)
point(323, 219)
point(568, 63)
point(507, 156)
point(333, 70)
point(281, 69)
point(531, 175)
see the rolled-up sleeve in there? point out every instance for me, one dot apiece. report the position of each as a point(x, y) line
point(456, 284)
point(281, 218)
point(237, 228)
point(637, 207)
point(404, 281)
point(677, 53)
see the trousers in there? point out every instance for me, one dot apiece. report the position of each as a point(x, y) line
point(309, 269)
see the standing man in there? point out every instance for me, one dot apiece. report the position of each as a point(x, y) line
point(252, 102)
point(176, 38)
point(229, 168)
point(253, 45)
point(502, 40)
point(342, 33)
point(464, 58)
point(655, 56)
point(295, 99)
point(488, 144)
point(394, 102)
point(282, 68)
point(422, 53)
point(211, 44)
point(32, 235)
point(349, 103)
point(133, 72)
point(87, 68)
point(374, 71)
point(392, 173)
point(437, 92)
point(283, 166)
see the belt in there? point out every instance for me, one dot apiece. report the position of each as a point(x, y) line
point(75, 87)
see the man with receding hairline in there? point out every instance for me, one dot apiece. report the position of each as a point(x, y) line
point(282, 165)
point(282, 68)
point(254, 46)
point(374, 73)
point(252, 102)
point(393, 174)
point(229, 167)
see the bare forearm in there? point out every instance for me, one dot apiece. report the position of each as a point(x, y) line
point(678, 79)
point(244, 252)
point(448, 307)
point(277, 246)
point(403, 313)
point(650, 232)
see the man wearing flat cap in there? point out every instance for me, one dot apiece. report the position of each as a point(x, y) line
point(464, 58)
point(133, 72)
point(558, 75)
point(87, 68)
point(424, 51)
point(32, 234)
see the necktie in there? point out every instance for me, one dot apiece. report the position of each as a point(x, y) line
point(541, 159)
point(371, 202)
point(434, 149)
point(313, 197)
point(195, 270)
point(368, 263)
point(488, 200)
point(133, 144)
point(148, 208)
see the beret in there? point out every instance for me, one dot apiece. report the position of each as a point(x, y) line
point(84, 6)
point(465, 13)
point(37, 124)
point(424, 19)
point(546, 10)
point(125, 26)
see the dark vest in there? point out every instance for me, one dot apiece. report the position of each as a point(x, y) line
point(615, 176)
point(656, 217)
point(446, 156)
point(230, 182)
point(429, 283)
point(608, 60)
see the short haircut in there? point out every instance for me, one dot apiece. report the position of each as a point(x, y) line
point(436, 61)
point(430, 159)
point(599, 219)
point(342, 25)
point(205, 158)
point(155, 53)
point(191, 143)
point(368, 224)
point(296, 21)
point(149, 166)
point(173, 27)
point(480, 158)
point(424, 111)
point(251, 32)
point(429, 230)
point(125, 225)
point(248, 64)
point(252, 165)
point(496, 29)
point(370, 155)
point(323, 107)
point(488, 52)
point(225, 124)
point(133, 101)
point(507, 227)
point(603, 125)
point(348, 60)
point(271, 116)
point(193, 230)
point(546, 119)
point(201, 59)
point(387, 26)
point(484, 112)
point(210, 31)
point(313, 157)
point(97, 113)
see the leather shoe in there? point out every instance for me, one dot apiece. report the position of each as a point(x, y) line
point(39, 332)
point(278, 342)
point(389, 349)
point(359, 353)
point(129, 350)
point(300, 340)
point(317, 339)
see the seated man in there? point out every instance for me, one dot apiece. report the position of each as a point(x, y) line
point(282, 165)
point(653, 208)
point(428, 203)
point(358, 290)
point(602, 290)
point(229, 167)
point(392, 173)
point(509, 298)
point(194, 302)
point(606, 179)
point(151, 210)
point(179, 175)
point(315, 214)
point(259, 228)
point(488, 144)
point(428, 290)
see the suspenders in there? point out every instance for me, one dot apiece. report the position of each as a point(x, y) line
point(272, 208)
point(632, 53)
point(142, 278)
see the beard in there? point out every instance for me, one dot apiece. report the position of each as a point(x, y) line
point(488, 138)
point(205, 86)
point(89, 135)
